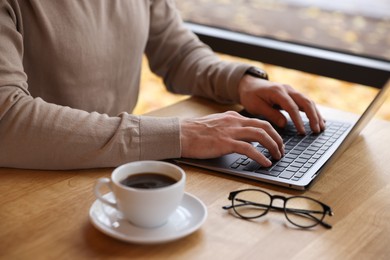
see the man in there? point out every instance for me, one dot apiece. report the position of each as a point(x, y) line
point(70, 74)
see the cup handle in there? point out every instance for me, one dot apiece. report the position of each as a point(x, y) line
point(99, 196)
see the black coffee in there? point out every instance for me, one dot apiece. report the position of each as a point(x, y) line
point(148, 181)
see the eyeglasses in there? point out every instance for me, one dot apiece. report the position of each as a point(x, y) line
point(300, 211)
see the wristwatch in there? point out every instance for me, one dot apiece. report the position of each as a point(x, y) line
point(257, 72)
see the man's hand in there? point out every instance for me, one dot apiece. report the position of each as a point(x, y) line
point(260, 97)
point(219, 134)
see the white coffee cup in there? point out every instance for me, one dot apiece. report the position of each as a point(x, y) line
point(148, 208)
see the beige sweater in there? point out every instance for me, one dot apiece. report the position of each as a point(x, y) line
point(70, 75)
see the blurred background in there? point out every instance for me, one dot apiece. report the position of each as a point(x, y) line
point(355, 26)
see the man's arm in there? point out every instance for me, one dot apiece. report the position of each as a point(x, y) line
point(186, 64)
point(39, 135)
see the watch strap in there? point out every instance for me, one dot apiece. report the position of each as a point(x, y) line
point(257, 72)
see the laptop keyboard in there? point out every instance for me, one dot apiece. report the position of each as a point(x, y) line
point(301, 151)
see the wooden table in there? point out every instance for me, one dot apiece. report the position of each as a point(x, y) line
point(44, 214)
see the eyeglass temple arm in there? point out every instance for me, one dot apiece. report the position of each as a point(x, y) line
point(246, 203)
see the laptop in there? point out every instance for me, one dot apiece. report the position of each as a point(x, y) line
point(305, 157)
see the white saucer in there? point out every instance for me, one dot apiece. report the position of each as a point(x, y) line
point(187, 218)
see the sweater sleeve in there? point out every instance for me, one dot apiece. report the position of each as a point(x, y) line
point(186, 64)
point(36, 134)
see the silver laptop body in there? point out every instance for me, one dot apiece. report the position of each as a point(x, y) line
point(305, 157)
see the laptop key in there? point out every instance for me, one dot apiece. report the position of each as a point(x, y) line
point(235, 165)
point(312, 160)
point(278, 169)
point(282, 164)
point(240, 160)
point(246, 162)
point(270, 173)
point(304, 156)
point(299, 174)
point(291, 156)
point(297, 164)
point(301, 160)
point(292, 169)
point(252, 166)
point(316, 156)
point(287, 160)
point(296, 152)
point(286, 174)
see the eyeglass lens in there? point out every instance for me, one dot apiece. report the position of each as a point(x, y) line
point(251, 203)
point(303, 211)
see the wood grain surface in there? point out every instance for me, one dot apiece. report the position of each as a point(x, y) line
point(44, 214)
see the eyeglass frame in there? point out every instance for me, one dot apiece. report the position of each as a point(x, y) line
point(326, 208)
